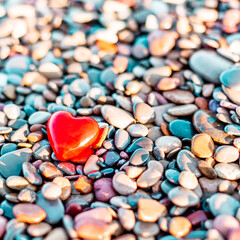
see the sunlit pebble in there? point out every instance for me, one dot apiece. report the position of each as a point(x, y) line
point(235, 47)
point(2, 11)
point(151, 22)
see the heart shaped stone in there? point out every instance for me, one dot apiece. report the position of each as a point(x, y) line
point(72, 138)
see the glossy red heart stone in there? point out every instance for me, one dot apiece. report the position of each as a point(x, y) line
point(72, 138)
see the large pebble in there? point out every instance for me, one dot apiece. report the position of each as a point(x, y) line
point(29, 213)
point(146, 229)
point(230, 78)
point(150, 210)
point(123, 184)
point(229, 171)
point(121, 139)
point(49, 170)
point(209, 64)
point(202, 145)
point(179, 226)
point(232, 129)
point(183, 110)
point(65, 186)
point(206, 122)
point(143, 113)
point(12, 111)
point(232, 94)
point(159, 111)
point(221, 203)
point(31, 173)
point(188, 180)
point(39, 117)
point(144, 142)
point(11, 163)
point(126, 218)
point(17, 182)
point(183, 197)
point(137, 130)
point(112, 115)
point(51, 191)
point(226, 154)
point(168, 143)
point(38, 229)
point(181, 128)
point(179, 96)
point(139, 157)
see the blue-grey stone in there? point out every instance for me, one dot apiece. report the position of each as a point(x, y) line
point(7, 208)
point(231, 78)
point(182, 128)
point(144, 142)
point(39, 117)
point(8, 147)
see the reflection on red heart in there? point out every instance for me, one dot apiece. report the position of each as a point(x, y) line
point(70, 137)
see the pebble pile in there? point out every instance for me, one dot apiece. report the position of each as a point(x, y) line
point(162, 80)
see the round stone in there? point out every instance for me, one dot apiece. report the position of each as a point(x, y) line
point(39, 117)
point(233, 129)
point(202, 145)
point(179, 226)
point(126, 218)
point(122, 139)
point(183, 197)
point(51, 191)
point(17, 182)
point(123, 184)
point(103, 189)
point(146, 229)
point(29, 213)
point(65, 186)
point(137, 130)
point(39, 229)
point(182, 128)
point(139, 157)
point(228, 171)
point(182, 110)
point(143, 113)
point(168, 143)
point(82, 184)
point(12, 111)
point(230, 78)
point(226, 154)
point(187, 180)
point(179, 96)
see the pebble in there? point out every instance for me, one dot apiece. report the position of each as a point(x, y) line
point(183, 197)
point(187, 180)
point(121, 139)
point(17, 182)
point(49, 170)
point(144, 142)
point(207, 170)
point(29, 213)
point(221, 203)
point(51, 191)
point(206, 122)
point(202, 145)
point(150, 210)
point(229, 78)
point(12, 111)
point(91, 164)
point(168, 143)
point(57, 233)
point(209, 65)
point(228, 171)
point(145, 229)
point(137, 130)
point(226, 154)
point(31, 173)
point(182, 110)
point(143, 113)
point(123, 184)
point(139, 157)
point(179, 96)
point(3, 223)
point(82, 184)
point(172, 175)
point(232, 129)
point(65, 186)
point(179, 226)
point(103, 189)
point(38, 117)
point(185, 131)
point(111, 114)
point(126, 218)
point(14, 167)
point(39, 229)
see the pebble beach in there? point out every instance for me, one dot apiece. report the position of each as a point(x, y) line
point(120, 119)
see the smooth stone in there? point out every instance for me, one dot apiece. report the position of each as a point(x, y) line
point(29, 213)
point(229, 171)
point(121, 139)
point(209, 65)
point(20, 135)
point(17, 182)
point(145, 229)
point(172, 175)
point(137, 130)
point(202, 145)
point(11, 163)
point(31, 173)
point(112, 115)
point(57, 233)
point(232, 94)
point(79, 88)
point(143, 113)
point(207, 170)
point(188, 180)
point(183, 197)
point(8, 147)
point(91, 164)
point(179, 226)
point(150, 210)
point(31, 78)
point(50, 70)
point(167, 186)
point(206, 122)
point(103, 189)
point(139, 157)
point(83, 184)
point(159, 111)
point(39, 117)
point(232, 129)
point(7, 209)
point(183, 110)
point(226, 154)
point(210, 185)
point(39, 229)
point(111, 158)
point(150, 176)
point(3, 224)
point(179, 96)
point(197, 217)
point(234, 234)
point(133, 171)
point(126, 218)
point(168, 143)
point(53, 208)
point(144, 142)
point(230, 78)
point(49, 170)
point(187, 161)
point(12, 111)
point(65, 186)
point(27, 195)
point(3, 119)
point(123, 184)
point(224, 223)
point(182, 128)
point(51, 191)
point(221, 203)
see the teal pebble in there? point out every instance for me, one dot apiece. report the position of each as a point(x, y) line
point(182, 128)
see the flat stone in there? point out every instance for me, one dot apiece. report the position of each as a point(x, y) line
point(65, 186)
point(8, 147)
point(187, 161)
point(137, 130)
point(111, 158)
point(57, 233)
point(182, 128)
point(143, 113)
point(168, 143)
point(172, 175)
point(50, 70)
point(49, 170)
point(150, 210)
point(17, 182)
point(209, 65)
point(29, 213)
point(232, 129)
point(145, 229)
point(159, 111)
point(202, 145)
point(11, 163)
point(179, 226)
point(51, 191)
point(206, 122)
point(179, 96)
point(39, 229)
point(112, 114)
point(183, 197)
point(126, 218)
point(226, 154)
point(230, 78)
point(229, 171)
point(83, 185)
point(207, 170)
point(31, 78)
point(221, 203)
point(139, 157)
point(187, 180)
point(121, 139)
point(39, 117)
point(182, 110)
point(123, 184)
point(232, 94)
point(31, 173)
point(144, 142)
point(12, 111)
point(20, 135)
point(91, 164)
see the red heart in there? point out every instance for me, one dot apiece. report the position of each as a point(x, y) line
point(70, 137)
